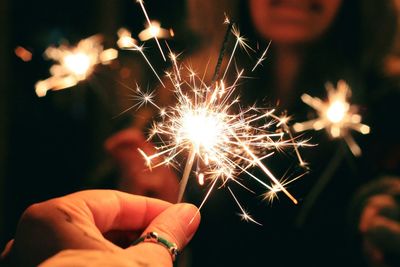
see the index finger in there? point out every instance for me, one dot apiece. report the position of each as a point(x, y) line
point(115, 210)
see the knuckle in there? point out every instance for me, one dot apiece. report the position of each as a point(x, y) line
point(34, 212)
point(43, 211)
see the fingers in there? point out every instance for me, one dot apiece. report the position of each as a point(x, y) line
point(77, 221)
point(384, 234)
point(88, 258)
point(376, 206)
point(176, 224)
point(115, 210)
point(6, 251)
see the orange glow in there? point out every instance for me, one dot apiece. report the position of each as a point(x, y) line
point(23, 54)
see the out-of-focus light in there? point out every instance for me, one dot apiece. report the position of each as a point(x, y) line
point(108, 55)
point(125, 39)
point(78, 63)
point(23, 54)
point(336, 111)
point(154, 31)
point(74, 63)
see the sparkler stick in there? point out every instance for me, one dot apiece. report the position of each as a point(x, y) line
point(324, 179)
point(186, 173)
point(232, 54)
point(222, 51)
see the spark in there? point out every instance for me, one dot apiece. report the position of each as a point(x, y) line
point(240, 41)
point(244, 215)
point(141, 3)
point(74, 63)
point(272, 194)
point(140, 49)
point(336, 115)
point(262, 58)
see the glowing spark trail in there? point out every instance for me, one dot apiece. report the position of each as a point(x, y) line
point(263, 57)
point(336, 115)
point(75, 64)
point(150, 25)
point(140, 49)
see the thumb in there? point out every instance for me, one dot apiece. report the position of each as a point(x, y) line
point(177, 224)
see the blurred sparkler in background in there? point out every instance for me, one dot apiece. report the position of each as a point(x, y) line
point(336, 115)
point(74, 63)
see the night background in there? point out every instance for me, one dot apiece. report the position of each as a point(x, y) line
point(52, 146)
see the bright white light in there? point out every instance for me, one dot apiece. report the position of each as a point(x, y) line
point(78, 63)
point(154, 30)
point(202, 128)
point(336, 111)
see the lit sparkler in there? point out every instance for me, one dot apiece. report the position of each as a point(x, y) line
point(74, 64)
point(220, 138)
point(336, 115)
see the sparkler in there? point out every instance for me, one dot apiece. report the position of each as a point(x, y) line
point(220, 138)
point(74, 64)
point(336, 115)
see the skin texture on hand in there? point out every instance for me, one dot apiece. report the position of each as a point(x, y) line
point(75, 227)
point(135, 176)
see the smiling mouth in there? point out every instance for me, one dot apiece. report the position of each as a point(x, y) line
point(296, 4)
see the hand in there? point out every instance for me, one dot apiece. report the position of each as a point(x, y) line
point(86, 226)
point(381, 229)
point(136, 177)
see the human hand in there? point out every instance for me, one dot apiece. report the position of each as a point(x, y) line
point(136, 177)
point(84, 228)
point(380, 227)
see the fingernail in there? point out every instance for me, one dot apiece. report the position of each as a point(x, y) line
point(189, 217)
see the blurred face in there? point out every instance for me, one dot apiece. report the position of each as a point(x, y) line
point(293, 21)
